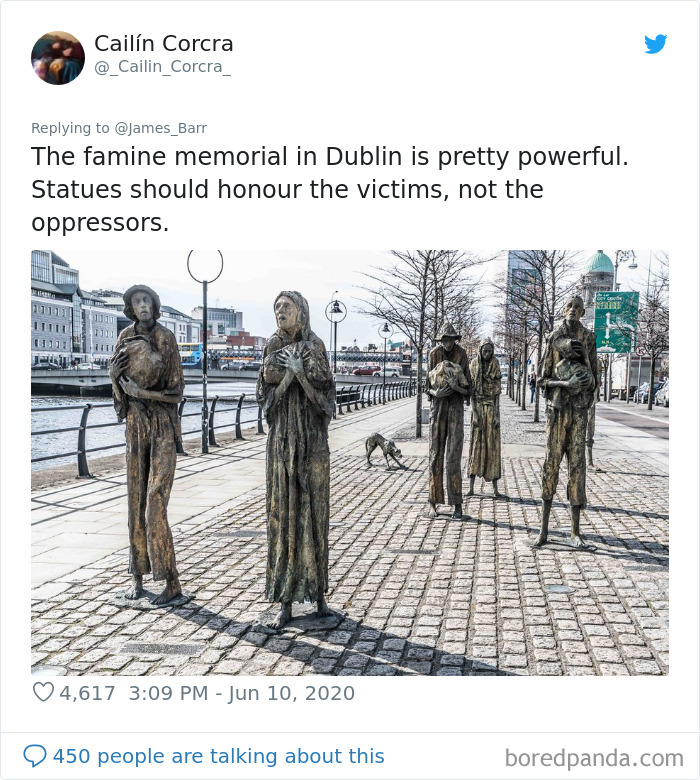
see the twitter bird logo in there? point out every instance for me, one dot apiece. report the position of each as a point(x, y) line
point(655, 44)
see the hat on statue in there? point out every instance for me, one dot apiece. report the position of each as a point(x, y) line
point(128, 308)
point(448, 331)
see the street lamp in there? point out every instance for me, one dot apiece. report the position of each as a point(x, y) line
point(385, 332)
point(208, 269)
point(623, 256)
point(335, 312)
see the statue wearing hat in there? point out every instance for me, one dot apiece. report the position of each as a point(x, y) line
point(449, 386)
point(570, 380)
point(147, 384)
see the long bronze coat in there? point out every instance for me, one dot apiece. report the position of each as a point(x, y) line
point(152, 430)
point(567, 413)
point(485, 442)
point(298, 472)
point(446, 431)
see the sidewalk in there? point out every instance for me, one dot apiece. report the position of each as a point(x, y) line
point(420, 595)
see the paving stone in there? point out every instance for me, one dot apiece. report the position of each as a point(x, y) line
point(645, 667)
point(477, 607)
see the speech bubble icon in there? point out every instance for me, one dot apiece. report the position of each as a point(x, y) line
point(35, 754)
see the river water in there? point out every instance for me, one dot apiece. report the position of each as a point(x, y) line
point(66, 412)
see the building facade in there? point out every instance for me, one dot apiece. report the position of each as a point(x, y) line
point(186, 329)
point(221, 321)
point(67, 325)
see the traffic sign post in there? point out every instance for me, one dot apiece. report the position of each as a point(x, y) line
point(616, 321)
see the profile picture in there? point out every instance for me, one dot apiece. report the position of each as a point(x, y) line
point(58, 58)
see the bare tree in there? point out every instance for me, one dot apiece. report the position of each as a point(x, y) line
point(417, 293)
point(653, 322)
point(534, 295)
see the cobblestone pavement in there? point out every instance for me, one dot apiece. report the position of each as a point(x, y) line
point(420, 596)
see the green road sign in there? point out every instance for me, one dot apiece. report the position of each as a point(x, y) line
point(616, 321)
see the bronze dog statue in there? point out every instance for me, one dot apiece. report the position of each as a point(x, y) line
point(387, 446)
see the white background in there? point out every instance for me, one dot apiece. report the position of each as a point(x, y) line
point(561, 75)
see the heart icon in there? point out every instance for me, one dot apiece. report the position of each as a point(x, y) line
point(43, 691)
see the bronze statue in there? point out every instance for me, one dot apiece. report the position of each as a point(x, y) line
point(296, 390)
point(448, 386)
point(388, 448)
point(568, 376)
point(485, 443)
point(147, 385)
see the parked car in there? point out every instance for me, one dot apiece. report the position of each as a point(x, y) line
point(46, 365)
point(389, 372)
point(87, 367)
point(641, 395)
point(255, 366)
point(637, 397)
point(233, 365)
point(661, 398)
point(365, 371)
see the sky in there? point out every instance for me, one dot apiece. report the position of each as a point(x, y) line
point(250, 281)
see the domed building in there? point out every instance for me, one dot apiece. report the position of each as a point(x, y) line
point(597, 277)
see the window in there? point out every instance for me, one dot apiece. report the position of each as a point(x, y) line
point(64, 328)
point(50, 326)
point(43, 326)
point(64, 345)
point(56, 311)
point(36, 326)
point(43, 342)
point(50, 343)
point(34, 308)
point(95, 331)
point(63, 312)
point(41, 309)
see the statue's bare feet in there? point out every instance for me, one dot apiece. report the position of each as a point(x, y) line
point(282, 617)
point(577, 541)
point(136, 590)
point(170, 591)
point(432, 510)
point(540, 541)
point(322, 608)
point(458, 511)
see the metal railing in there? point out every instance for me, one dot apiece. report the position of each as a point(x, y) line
point(358, 396)
point(217, 408)
point(348, 398)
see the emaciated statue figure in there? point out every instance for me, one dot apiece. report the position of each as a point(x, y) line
point(485, 444)
point(569, 378)
point(297, 393)
point(147, 385)
point(449, 385)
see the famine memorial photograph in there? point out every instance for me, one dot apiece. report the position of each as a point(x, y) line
point(350, 463)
